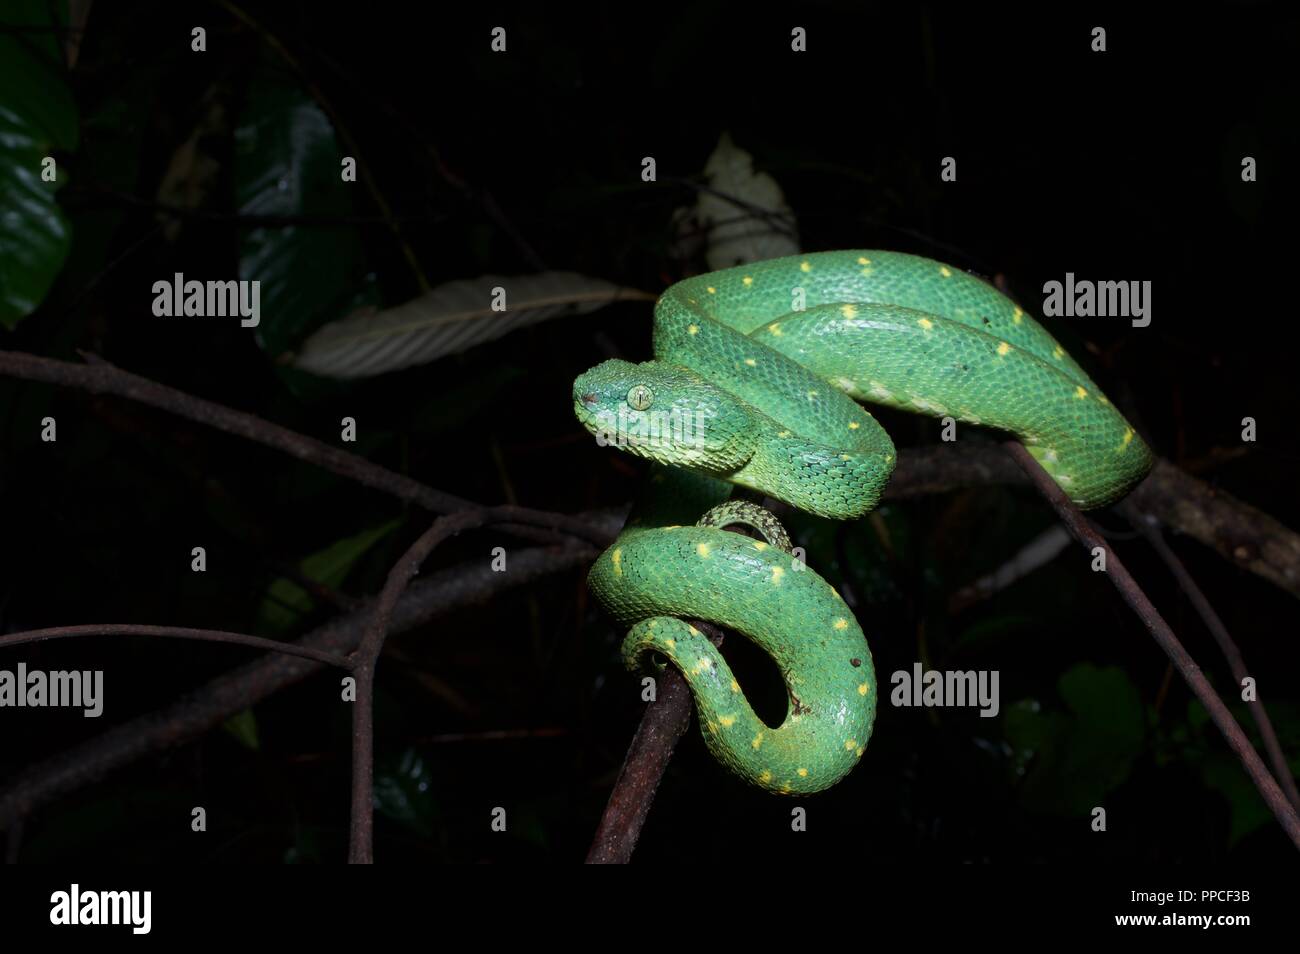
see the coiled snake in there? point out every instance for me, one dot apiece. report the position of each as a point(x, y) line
point(757, 374)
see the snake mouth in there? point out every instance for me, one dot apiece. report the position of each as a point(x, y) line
point(584, 409)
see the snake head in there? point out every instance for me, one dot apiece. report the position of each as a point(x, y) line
point(665, 413)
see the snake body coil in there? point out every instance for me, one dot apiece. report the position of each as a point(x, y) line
point(757, 374)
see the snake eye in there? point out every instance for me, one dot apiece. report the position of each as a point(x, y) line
point(640, 397)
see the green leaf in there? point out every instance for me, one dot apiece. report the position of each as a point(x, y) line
point(37, 118)
point(288, 163)
point(1246, 809)
point(402, 792)
point(285, 602)
point(1071, 761)
point(243, 726)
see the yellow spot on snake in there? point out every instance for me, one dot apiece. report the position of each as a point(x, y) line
point(1058, 352)
point(845, 457)
point(943, 270)
point(863, 689)
point(703, 550)
point(748, 281)
point(866, 272)
point(1080, 392)
point(703, 664)
point(694, 631)
point(850, 744)
point(713, 727)
point(1018, 316)
point(693, 330)
point(925, 323)
point(1128, 437)
point(1101, 399)
point(751, 362)
point(760, 546)
point(777, 573)
point(805, 267)
point(727, 721)
point(848, 311)
point(1004, 348)
point(783, 434)
point(854, 425)
point(863, 261)
point(617, 559)
point(812, 395)
point(712, 290)
point(676, 526)
point(841, 623)
point(758, 741)
point(803, 773)
point(670, 643)
point(735, 686)
point(765, 776)
point(860, 751)
point(775, 329)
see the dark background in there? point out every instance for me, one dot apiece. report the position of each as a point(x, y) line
point(1123, 165)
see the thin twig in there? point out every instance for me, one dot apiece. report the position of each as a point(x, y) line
point(213, 703)
point(1078, 525)
point(174, 632)
point(101, 377)
point(340, 128)
point(366, 658)
point(103, 195)
point(1148, 528)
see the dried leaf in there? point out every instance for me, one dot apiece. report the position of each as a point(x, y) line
point(450, 319)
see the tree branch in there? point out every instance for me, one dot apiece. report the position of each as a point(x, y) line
point(662, 725)
point(366, 658)
point(100, 377)
point(1240, 533)
point(1083, 531)
point(210, 705)
point(1146, 525)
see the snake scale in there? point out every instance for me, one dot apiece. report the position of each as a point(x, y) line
point(755, 382)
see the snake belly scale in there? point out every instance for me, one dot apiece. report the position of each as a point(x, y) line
point(756, 379)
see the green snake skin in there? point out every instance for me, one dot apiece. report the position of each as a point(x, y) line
point(757, 374)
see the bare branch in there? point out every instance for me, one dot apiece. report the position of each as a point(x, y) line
point(1083, 531)
point(1147, 526)
point(100, 377)
point(212, 704)
point(662, 725)
point(174, 632)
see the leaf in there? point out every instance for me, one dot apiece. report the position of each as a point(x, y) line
point(1072, 761)
point(288, 163)
point(286, 602)
point(243, 726)
point(402, 792)
point(758, 226)
point(38, 117)
point(1223, 773)
point(452, 318)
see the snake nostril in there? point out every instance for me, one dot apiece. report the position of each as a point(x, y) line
point(589, 399)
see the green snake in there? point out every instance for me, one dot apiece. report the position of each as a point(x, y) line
point(756, 380)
